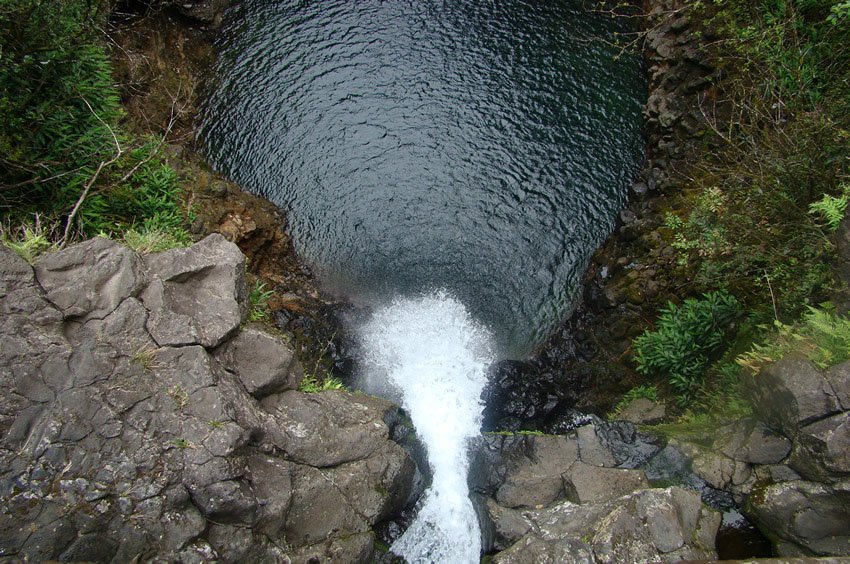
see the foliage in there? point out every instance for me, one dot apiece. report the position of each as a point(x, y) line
point(63, 153)
point(311, 384)
point(772, 176)
point(259, 298)
point(831, 208)
point(821, 335)
point(156, 240)
point(684, 339)
point(29, 241)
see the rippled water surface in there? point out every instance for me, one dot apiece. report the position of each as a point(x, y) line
point(478, 147)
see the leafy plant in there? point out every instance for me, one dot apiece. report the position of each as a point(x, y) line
point(29, 241)
point(259, 298)
point(831, 208)
point(821, 335)
point(310, 384)
point(685, 337)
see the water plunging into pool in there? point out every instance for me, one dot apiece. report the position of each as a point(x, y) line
point(451, 165)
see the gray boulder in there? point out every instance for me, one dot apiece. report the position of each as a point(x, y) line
point(90, 279)
point(592, 484)
point(791, 393)
point(838, 377)
point(328, 428)
point(643, 411)
point(263, 362)
point(751, 441)
point(534, 480)
point(653, 525)
point(822, 449)
point(198, 295)
point(118, 446)
point(809, 515)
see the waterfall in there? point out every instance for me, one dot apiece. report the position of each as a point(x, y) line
point(434, 357)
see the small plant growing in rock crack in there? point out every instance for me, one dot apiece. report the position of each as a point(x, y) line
point(215, 424)
point(29, 241)
point(310, 384)
point(145, 357)
point(182, 443)
point(259, 298)
point(319, 379)
point(179, 396)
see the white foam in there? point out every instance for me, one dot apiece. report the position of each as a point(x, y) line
point(435, 357)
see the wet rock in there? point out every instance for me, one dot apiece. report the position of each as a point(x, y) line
point(811, 516)
point(196, 295)
point(90, 279)
point(263, 362)
point(791, 393)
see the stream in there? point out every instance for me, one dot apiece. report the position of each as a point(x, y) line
point(451, 166)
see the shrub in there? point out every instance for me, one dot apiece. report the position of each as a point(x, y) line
point(821, 335)
point(684, 339)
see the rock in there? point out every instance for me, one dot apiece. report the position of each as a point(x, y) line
point(791, 393)
point(653, 525)
point(838, 377)
point(751, 441)
point(329, 428)
point(717, 469)
point(89, 280)
point(207, 11)
point(627, 216)
point(643, 411)
point(592, 450)
point(535, 480)
point(808, 515)
point(115, 447)
point(196, 295)
point(263, 362)
point(591, 484)
point(15, 272)
point(509, 525)
point(822, 449)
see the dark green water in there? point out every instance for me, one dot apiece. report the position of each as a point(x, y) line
point(480, 147)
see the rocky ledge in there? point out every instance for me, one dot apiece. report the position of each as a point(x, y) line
point(141, 420)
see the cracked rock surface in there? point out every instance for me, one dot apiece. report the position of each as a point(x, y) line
point(139, 422)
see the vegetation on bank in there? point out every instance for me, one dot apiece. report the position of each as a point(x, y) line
point(769, 187)
point(68, 169)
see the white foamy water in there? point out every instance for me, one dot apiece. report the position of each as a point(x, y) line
point(434, 356)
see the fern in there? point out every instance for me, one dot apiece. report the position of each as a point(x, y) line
point(831, 209)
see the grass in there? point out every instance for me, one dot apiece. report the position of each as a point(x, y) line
point(29, 241)
point(312, 384)
point(144, 356)
point(821, 336)
point(259, 299)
